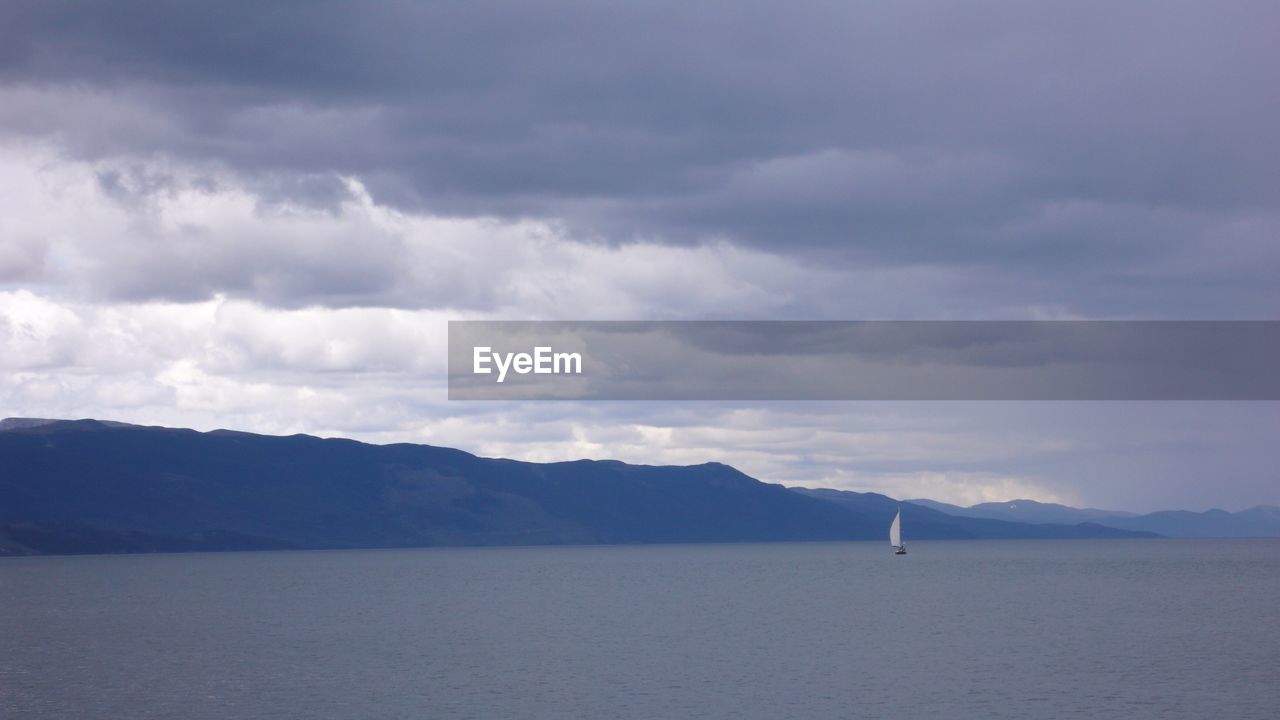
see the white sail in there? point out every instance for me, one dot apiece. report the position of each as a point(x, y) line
point(895, 530)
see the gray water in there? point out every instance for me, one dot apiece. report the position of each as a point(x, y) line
point(1125, 629)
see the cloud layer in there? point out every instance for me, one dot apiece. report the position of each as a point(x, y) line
point(1081, 145)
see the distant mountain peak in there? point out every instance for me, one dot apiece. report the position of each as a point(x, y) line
point(21, 423)
point(27, 423)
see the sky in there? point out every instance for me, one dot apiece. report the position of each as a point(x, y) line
point(262, 218)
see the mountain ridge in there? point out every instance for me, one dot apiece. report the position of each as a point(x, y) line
point(979, 527)
point(1257, 521)
point(1025, 510)
point(128, 488)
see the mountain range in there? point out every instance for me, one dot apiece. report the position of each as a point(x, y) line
point(1025, 511)
point(86, 486)
point(1259, 521)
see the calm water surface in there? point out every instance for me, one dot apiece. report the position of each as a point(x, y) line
point(1125, 629)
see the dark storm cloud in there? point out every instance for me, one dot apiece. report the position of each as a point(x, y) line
point(919, 131)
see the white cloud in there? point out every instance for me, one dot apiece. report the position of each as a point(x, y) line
point(131, 231)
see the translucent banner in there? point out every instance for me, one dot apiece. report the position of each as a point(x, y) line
point(864, 360)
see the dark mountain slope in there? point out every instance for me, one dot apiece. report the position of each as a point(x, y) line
point(89, 486)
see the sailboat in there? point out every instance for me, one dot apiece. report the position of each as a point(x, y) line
point(895, 535)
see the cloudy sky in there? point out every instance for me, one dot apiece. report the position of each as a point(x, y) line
point(261, 217)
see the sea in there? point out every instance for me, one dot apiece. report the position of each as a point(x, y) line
point(962, 629)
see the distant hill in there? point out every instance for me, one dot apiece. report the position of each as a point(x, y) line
point(1260, 521)
point(1028, 511)
point(88, 486)
point(925, 523)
